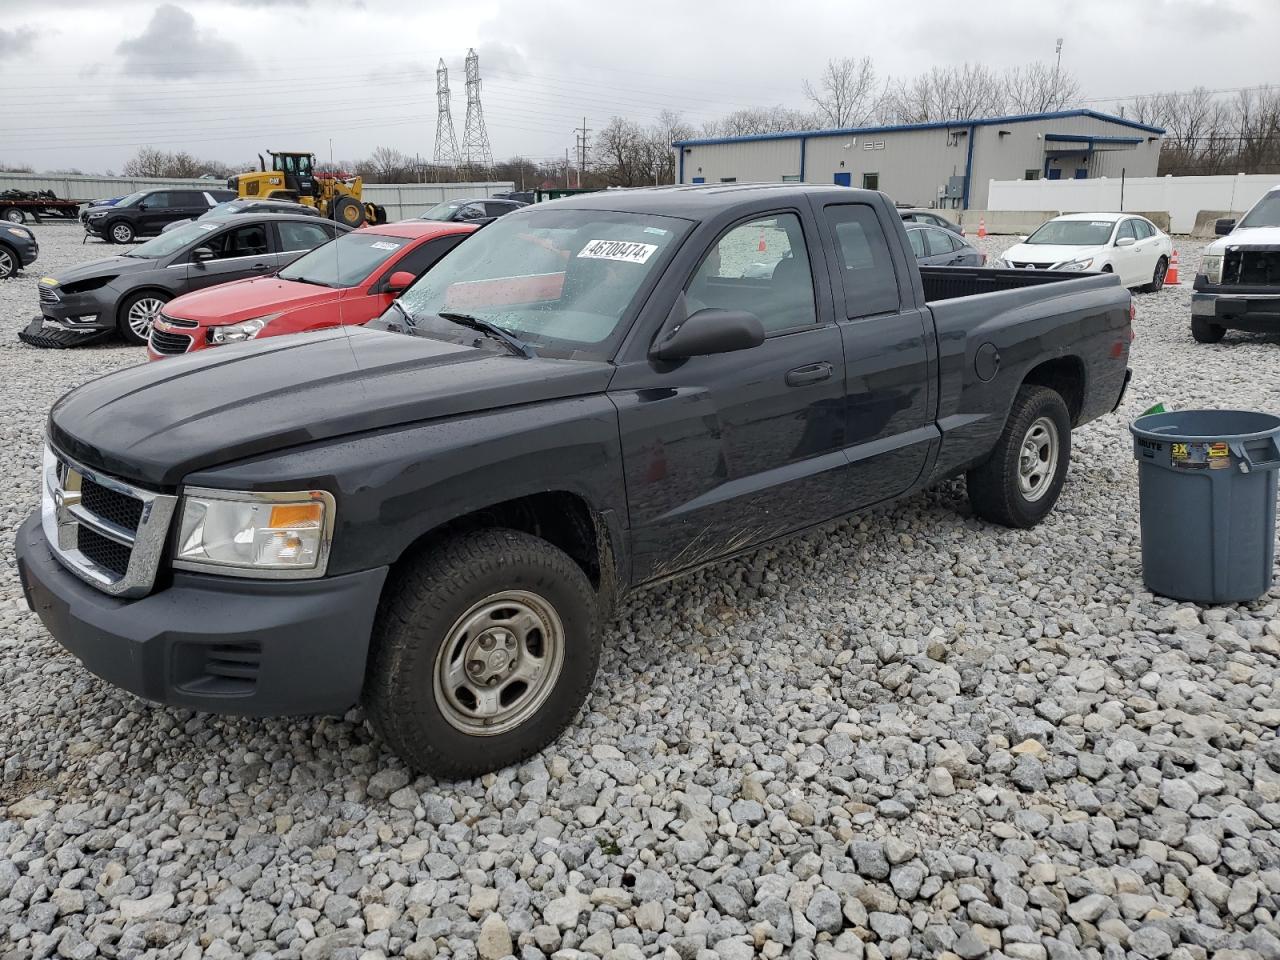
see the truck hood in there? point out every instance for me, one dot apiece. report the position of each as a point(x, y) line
point(1246, 237)
point(158, 422)
point(101, 268)
point(246, 299)
point(1049, 253)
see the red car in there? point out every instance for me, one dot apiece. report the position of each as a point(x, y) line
point(349, 280)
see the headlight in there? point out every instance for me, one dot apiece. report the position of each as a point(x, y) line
point(1001, 263)
point(1082, 264)
point(100, 213)
point(235, 332)
point(244, 534)
point(19, 232)
point(1211, 267)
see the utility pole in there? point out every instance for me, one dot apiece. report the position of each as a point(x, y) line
point(580, 135)
point(1058, 65)
point(566, 168)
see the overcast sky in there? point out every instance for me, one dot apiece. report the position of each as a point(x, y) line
point(87, 81)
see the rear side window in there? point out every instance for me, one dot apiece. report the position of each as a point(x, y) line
point(870, 284)
point(940, 242)
point(1144, 229)
point(187, 198)
point(916, 239)
point(301, 236)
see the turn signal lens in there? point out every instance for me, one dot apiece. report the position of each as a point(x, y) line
point(297, 515)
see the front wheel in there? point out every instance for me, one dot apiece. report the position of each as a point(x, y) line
point(484, 649)
point(8, 262)
point(1202, 331)
point(1157, 278)
point(137, 314)
point(1020, 482)
point(120, 232)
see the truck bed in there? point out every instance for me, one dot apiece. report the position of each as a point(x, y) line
point(947, 283)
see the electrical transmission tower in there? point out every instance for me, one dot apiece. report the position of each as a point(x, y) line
point(446, 139)
point(475, 138)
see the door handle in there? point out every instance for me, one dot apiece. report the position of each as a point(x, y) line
point(810, 373)
point(260, 267)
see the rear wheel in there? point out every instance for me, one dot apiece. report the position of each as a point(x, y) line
point(347, 210)
point(137, 313)
point(1157, 278)
point(121, 231)
point(1020, 482)
point(14, 215)
point(1202, 331)
point(484, 649)
point(8, 262)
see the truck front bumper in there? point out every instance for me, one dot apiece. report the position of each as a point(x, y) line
point(219, 644)
point(1238, 311)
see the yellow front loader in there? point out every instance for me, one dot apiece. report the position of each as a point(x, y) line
point(292, 177)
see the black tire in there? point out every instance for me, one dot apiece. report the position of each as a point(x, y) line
point(119, 231)
point(14, 215)
point(996, 488)
point(426, 602)
point(10, 262)
point(1202, 331)
point(348, 211)
point(1157, 278)
point(126, 324)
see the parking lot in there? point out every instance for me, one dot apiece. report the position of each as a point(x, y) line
point(904, 734)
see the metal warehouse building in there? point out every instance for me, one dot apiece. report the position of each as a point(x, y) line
point(945, 164)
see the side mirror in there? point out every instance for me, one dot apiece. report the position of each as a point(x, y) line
point(201, 254)
point(400, 280)
point(710, 331)
point(1126, 242)
point(1224, 226)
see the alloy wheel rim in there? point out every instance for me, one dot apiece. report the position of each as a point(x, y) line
point(1038, 459)
point(6, 263)
point(120, 233)
point(142, 314)
point(14, 216)
point(499, 662)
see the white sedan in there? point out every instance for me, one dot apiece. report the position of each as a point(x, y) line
point(1132, 247)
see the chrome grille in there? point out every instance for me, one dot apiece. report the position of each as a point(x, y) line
point(169, 343)
point(1026, 265)
point(109, 533)
point(47, 294)
point(179, 321)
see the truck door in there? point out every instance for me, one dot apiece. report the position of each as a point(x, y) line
point(888, 425)
point(726, 451)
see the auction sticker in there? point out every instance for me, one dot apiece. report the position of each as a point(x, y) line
point(384, 245)
point(622, 250)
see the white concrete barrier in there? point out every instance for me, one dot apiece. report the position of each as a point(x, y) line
point(1207, 221)
point(1004, 221)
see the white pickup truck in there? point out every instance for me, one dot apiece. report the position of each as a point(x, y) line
point(1238, 284)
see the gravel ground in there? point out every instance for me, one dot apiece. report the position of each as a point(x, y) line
point(910, 734)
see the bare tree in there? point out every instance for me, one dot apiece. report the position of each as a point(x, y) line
point(387, 165)
point(147, 162)
point(845, 95)
point(968, 92)
point(1040, 88)
point(1206, 133)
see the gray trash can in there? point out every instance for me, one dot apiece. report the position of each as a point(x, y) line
point(1207, 490)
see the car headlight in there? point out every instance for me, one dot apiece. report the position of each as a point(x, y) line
point(1211, 267)
point(95, 216)
point(19, 232)
point(1082, 264)
point(235, 332)
point(246, 534)
point(1001, 263)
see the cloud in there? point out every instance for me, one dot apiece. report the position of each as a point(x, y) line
point(16, 42)
point(173, 47)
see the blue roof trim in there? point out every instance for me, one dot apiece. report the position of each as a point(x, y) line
point(936, 125)
point(1083, 137)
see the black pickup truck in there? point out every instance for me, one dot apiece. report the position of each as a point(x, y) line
point(434, 514)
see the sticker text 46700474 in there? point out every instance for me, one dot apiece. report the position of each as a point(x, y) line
point(622, 250)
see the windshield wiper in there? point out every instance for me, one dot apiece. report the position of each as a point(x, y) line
point(517, 345)
point(314, 283)
point(409, 321)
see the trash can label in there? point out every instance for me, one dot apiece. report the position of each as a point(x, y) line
point(1200, 456)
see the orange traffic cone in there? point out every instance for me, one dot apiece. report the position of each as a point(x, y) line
point(1171, 275)
point(762, 246)
point(982, 226)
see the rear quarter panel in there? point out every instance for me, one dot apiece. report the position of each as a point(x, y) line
point(1086, 318)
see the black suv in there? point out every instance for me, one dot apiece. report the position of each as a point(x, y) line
point(480, 211)
point(145, 213)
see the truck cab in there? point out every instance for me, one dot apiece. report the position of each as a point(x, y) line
point(1237, 286)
